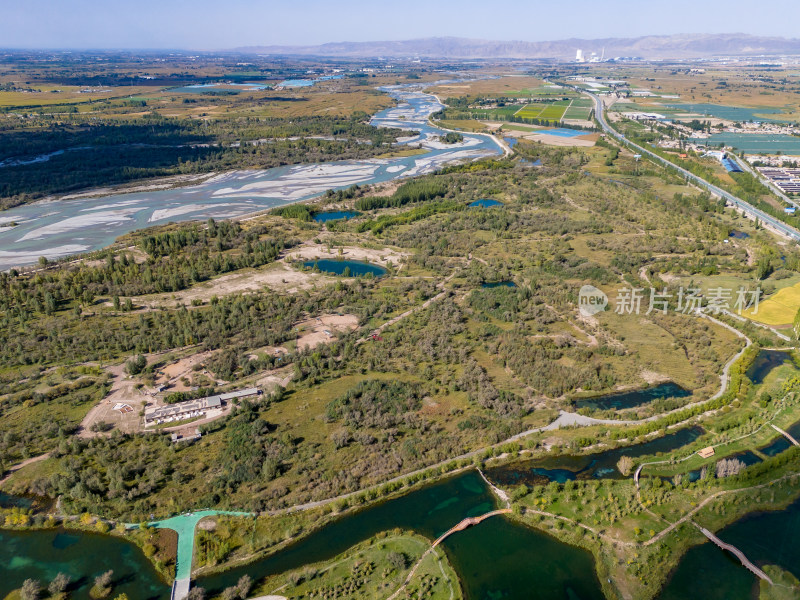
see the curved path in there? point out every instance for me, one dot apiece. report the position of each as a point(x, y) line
point(184, 526)
point(29, 461)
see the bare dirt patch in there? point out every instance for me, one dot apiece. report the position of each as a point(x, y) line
point(123, 393)
point(278, 277)
point(320, 251)
point(652, 378)
point(207, 524)
point(319, 330)
point(171, 375)
point(270, 381)
point(554, 140)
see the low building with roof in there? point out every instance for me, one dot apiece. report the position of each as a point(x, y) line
point(706, 452)
point(191, 409)
point(180, 411)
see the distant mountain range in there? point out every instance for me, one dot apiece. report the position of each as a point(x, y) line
point(648, 47)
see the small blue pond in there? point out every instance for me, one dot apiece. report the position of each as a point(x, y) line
point(485, 203)
point(633, 398)
point(335, 215)
point(764, 363)
point(348, 268)
point(8, 501)
point(778, 445)
point(296, 83)
point(496, 284)
point(560, 132)
point(739, 235)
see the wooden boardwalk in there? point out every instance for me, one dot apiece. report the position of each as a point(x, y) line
point(736, 552)
point(468, 522)
point(785, 434)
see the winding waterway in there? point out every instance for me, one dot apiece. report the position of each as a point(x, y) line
point(562, 468)
point(498, 558)
point(65, 227)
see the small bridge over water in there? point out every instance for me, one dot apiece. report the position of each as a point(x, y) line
point(468, 522)
point(184, 525)
point(785, 434)
point(736, 552)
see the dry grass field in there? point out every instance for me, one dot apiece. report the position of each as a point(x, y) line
point(780, 309)
point(508, 85)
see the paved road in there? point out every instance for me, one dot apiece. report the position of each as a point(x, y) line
point(749, 209)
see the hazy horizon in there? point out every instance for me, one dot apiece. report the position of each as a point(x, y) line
point(207, 25)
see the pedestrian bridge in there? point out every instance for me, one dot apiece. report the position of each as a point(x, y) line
point(737, 553)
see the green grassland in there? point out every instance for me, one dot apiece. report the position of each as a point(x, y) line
point(580, 108)
point(461, 374)
point(365, 571)
point(517, 354)
point(550, 111)
point(45, 406)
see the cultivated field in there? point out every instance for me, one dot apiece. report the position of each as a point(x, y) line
point(548, 111)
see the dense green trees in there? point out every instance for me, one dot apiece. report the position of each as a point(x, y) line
point(411, 191)
point(375, 403)
point(86, 152)
point(177, 259)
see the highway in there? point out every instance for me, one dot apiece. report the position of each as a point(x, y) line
point(748, 209)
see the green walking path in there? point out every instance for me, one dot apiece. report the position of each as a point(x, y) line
point(184, 526)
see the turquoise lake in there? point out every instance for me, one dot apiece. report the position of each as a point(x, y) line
point(349, 268)
point(485, 203)
point(41, 555)
point(335, 215)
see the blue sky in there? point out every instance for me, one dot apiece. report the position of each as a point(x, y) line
point(220, 24)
